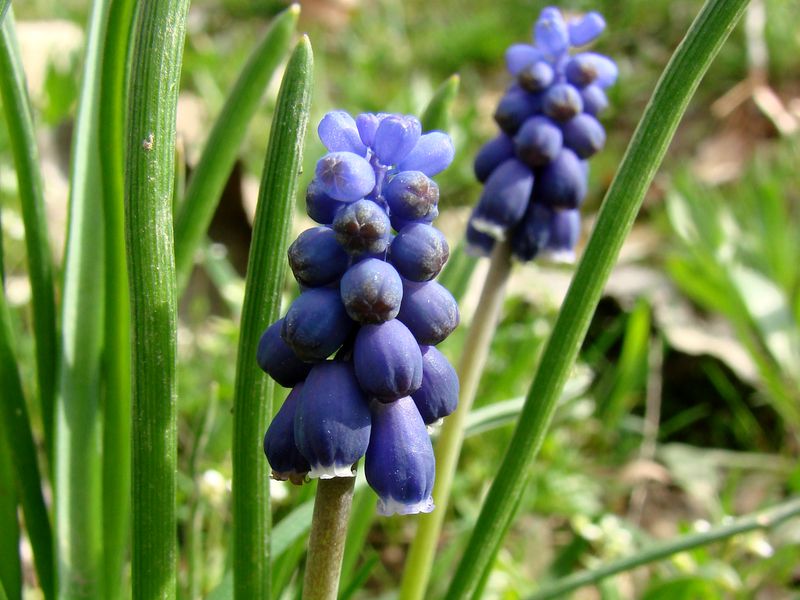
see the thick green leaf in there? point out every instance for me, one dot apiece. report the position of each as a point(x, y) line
point(439, 112)
point(149, 180)
point(17, 108)
point(645, 153)
point(219, 155)
point(78, 499)
point(116, 461)
point(265, 271)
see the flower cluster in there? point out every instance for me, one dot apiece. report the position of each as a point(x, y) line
point(535, 171)
point(368, 296)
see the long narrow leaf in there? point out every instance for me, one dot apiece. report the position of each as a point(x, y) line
point(645, 153)
point(208, 179)
point(765, 519)
point(116, 462)
point(22, 137)
point(10, 567)
point(17, 428)
point(439, 112)
point(265, 270)
point(4, 6)
point(78, 499)
point(155, 79)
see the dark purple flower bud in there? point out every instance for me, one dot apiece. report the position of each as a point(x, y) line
point(319, 206)
point(565, 229)
point(538, 141)
point(429, 311)
point(411, 195)
point(561, 183)
point(504, 199)
point(345, 176)
point(536, 77)
point(478, 244)
point(282, 453)
point(316, 324)
point(278, 360)
point(584, 135)
point(594, 100)
point(400, 465)
point(338, 133)
point(587, 67)
point(316, 258)
point(584, 31)
point(562, 101)
point(491, 155)
point(361, 227)
point(395, 137)
point(437, 397)
point(372, 291)
point(550, 31)
point(419, 252)
point(367, 125)
point(388, 361)
point(433, 154)
point(532, 233)
point(399, 222)
point(332, 422)
point(521, 56)
point(515, 108)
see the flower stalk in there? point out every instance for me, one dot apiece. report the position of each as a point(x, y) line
point(327, 540)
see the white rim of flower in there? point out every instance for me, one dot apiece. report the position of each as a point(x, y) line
point(389, 506)
point(493, 230)
point(331, 471)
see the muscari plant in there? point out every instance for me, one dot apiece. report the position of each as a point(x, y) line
point(106, 367)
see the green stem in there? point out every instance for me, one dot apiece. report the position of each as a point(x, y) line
point(327, 540)
point(116, 461)
point(155, 80)
point(16, 425)
point(448, 448)
point(766, 519)
point(265, 275)
point(78, 496)
point(439, 112)
point(22, 138)
point(219, 155)
point(621, 205)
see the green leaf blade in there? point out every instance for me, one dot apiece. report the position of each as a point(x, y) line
point(150, 160)
point(219, 155)
point(265, 273)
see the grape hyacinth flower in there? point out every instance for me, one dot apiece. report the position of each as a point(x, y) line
point(357, 345)
point(535, 172)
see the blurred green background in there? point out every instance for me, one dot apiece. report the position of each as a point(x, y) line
point(685, 405)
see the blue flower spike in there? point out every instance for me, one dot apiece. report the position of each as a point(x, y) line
point(400, 465)
point(356, 345)
point(549, 122)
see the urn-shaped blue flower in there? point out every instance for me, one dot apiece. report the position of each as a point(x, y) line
point(368, 297)
point(400, 465)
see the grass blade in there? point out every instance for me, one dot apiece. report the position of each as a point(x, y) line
point(265, 273)
point(4, 6)
point(10, 568)
point(155, 79)
point(645, 153)
point(439, 112)
point(765, 519)
point(208, 179)
point(78, 502)
point(17, 428)
point(19, 118)
point(116, 461)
